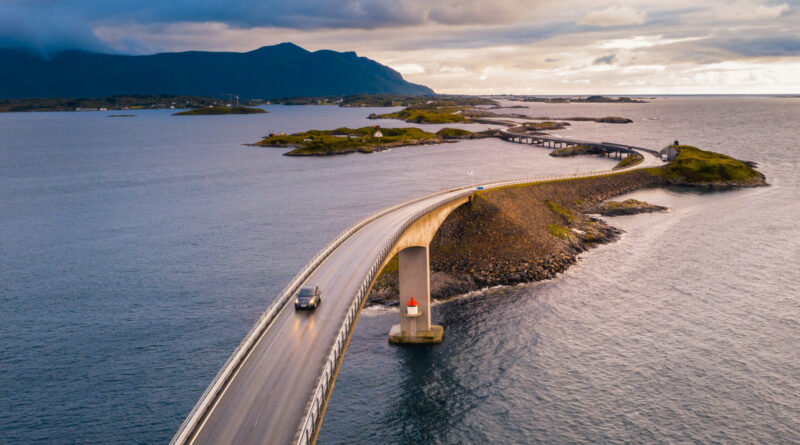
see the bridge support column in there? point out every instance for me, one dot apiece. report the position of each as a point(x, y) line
point(414, 271)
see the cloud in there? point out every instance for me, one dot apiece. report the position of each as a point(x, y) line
point(605, 60)
point(613, 16)
point(47, 31)
point(459, 12)
point(410, 68)
point(760, 46)
point(743, 10)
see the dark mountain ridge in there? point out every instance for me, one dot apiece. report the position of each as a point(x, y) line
point(283, 70)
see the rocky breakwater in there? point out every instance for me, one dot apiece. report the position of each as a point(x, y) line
point(517, 234)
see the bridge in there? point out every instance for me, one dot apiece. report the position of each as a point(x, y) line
point(521, 135)
point(275, 386)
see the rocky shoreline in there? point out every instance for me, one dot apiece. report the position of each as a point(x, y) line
point(627, 207)
point(375, 148)
point(520, 235)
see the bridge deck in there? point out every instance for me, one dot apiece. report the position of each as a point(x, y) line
point(609, 146)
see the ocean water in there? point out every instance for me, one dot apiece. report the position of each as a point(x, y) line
point(137, 252)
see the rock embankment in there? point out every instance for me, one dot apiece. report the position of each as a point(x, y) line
point(516, 235)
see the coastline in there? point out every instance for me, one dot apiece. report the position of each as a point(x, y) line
point(518, 235)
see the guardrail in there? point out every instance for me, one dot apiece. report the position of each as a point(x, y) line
point(306, 433)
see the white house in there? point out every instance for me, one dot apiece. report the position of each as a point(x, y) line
point(668, 153)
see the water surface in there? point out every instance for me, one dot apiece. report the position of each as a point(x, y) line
point(137, 252)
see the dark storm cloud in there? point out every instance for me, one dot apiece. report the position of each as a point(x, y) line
point(605, 60)
point(54, 25)
point(45, 27)
point(43, 22)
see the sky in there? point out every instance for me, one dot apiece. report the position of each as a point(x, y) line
point(460, 46)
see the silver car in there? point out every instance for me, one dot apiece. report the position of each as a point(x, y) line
point(309, 297)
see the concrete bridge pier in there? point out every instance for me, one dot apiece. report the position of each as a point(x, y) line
point(415, 277)
point(414, 274)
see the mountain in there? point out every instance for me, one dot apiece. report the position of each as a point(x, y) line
point(284, 70)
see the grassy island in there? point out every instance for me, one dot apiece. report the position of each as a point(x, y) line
point(364, 140)
point(428, 115)
point(589, 99)
point(629, 161)
point(693, 166)
point(215, 110)
point(545, 126)
point(602, 120)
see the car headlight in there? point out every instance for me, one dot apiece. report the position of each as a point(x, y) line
point(296, 301)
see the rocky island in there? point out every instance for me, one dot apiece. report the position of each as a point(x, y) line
point(217, 110)
point(363, 140)
point(589, 99)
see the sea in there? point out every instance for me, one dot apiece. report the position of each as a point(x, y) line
point(136, 252)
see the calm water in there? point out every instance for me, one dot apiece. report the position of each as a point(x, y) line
point(137, 252)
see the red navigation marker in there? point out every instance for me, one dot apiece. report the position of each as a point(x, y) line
point(412, 310)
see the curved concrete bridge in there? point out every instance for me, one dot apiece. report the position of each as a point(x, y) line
point(275, 386)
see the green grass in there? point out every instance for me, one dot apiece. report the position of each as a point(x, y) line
point(207, 111)
point(345, 140)
point(542, 126)
point(428, 115)
point(630, 161)
point(693, 165)
point(565, 213)
point(453, 133)
point(557, 230)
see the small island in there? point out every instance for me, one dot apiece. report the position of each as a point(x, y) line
point(695, 167)
point(627, 207)
point(427, 115)
point(602, 120)
point(589, 99)
point(217, 110)
point(363, 140)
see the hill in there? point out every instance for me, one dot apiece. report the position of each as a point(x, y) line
point(283, 70)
